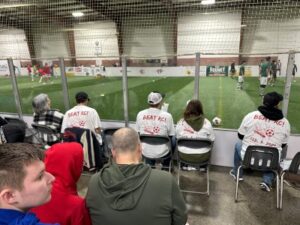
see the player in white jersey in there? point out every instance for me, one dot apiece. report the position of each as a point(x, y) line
point(154, 121)
point(265, 127)
point(83, 116)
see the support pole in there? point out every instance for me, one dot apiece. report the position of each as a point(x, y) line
point(288, 83)
point(197, 76)
point(125, 90)
point(15, 87)
point(64, 83)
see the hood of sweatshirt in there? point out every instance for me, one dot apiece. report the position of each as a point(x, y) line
point(65, 162)
point(271, 113)
point(123, 185)
point(196, 122)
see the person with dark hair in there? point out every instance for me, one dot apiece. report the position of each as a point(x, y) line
point(154, 121)
point(24, 183)
point(241, 76)
point(12, 133)
point(2, 121)
point(265, 127)
point(273, 73)
point(232, 69)
point(278, 65)
point(83, 116)
point(129, 191)
point(44, 115)
point(294, 72)
point(65, 162)
point(194, 125)
point(264, 73)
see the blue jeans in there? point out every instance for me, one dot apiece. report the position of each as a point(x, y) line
point(268, 177)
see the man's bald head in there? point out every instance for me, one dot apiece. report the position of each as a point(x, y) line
point(125, 140)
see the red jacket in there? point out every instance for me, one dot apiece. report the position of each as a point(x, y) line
point(65, 162)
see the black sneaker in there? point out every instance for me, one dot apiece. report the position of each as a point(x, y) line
point(231, 173)
point(265, 187)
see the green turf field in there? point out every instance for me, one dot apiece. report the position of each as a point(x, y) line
point(218, 95)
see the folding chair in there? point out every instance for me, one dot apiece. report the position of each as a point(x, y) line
point(107, 134)
point(194, 144)
point(293, 172)
point(158, 141)
point(260, 158)
point(92, 150)
point(43, 130)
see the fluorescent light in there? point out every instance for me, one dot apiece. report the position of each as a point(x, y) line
point(208, 2)
point(77, 14)
point(4, 6)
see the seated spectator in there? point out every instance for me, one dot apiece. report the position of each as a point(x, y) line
point(265, 127)
point(194, 125)
point(65, 162)
point(24, 183)
point(83, 116)
point(11, 133)
point(154, 121)
point(130, 192)
point(44, 115)
point(2, 121)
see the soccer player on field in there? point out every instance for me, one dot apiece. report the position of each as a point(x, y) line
point(29, 70)
point(241, 77)
point(294, 72)
point(43, 76)
point(273, 73)
point(232, 69)
point(264, 72)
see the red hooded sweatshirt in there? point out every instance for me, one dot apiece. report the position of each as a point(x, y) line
point(64, 161)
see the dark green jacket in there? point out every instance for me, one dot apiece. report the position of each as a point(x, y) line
point(135, 195)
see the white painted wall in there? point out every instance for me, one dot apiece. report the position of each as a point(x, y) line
point(13, 44)
point(209, 33)
point(52, 44)
point(102, 32)
point(267, 32)
point(153, 37)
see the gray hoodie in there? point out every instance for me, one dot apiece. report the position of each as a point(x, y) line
point(135, 195)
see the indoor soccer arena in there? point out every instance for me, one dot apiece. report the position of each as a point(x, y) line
point(203, 94)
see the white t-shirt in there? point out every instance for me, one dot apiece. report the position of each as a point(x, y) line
point(154, 121)
point(258, 130)
point(84, 117)
point(184, 130)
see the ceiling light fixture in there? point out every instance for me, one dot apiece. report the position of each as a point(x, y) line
point(4, 6)
point(77, 14)
point(208, 2)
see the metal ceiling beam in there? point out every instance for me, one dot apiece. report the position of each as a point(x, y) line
point(102, 7)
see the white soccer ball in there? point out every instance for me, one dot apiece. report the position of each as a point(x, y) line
point(216, 121)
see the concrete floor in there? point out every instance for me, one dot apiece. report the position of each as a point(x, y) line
point(255, 207)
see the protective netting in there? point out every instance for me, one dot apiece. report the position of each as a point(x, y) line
point(146, 28)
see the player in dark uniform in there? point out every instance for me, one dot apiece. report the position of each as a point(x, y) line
point(294, 72)
point(232, 69)
point(273, 73)
point(264, 72)
point(241, 76)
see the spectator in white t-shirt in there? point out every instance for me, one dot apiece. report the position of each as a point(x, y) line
point(194, 125)
point(154, 121)
point(83, 116)
point(265, 127)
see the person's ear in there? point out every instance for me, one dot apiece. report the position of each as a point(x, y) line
point(8, 196)
point(113, 152)
point(139, 151)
